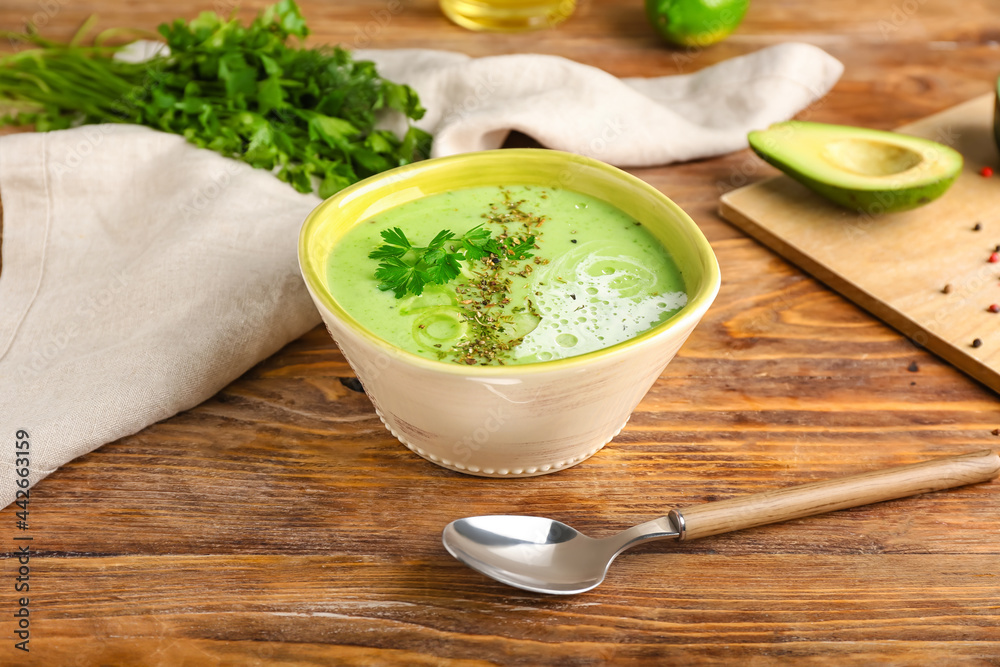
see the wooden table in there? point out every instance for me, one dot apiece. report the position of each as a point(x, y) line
point(279, 523)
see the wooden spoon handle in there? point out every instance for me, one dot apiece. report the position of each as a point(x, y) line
point(836, 494)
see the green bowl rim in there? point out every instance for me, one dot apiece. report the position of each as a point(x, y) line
point(696, 306)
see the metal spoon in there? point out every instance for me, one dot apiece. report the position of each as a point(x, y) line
point(546, 556)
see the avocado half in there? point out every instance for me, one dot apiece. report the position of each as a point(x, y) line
point(870, 171)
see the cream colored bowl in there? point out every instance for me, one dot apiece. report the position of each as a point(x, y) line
point(518, 420)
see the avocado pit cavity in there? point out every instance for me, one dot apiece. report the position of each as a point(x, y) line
point(871, 158)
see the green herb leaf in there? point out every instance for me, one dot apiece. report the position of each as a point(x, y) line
point(400, 277)
point(478, 243)
point(515, 248)
point(395, 241)
point(439, 239)
point(445, 268)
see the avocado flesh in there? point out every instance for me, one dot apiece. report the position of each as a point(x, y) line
point(869, 171)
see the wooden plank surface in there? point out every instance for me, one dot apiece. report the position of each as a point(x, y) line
point(280, 524)
point(927, 272)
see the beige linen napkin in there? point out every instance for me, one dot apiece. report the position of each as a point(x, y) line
point(576, 108)
point(140, 274)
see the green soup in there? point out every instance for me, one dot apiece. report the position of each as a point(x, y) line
point(597, 277)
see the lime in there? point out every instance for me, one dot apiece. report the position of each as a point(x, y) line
point(695, 22)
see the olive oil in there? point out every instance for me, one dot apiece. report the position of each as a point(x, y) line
point(507, 15)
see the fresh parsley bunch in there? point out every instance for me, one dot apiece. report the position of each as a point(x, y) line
point(404, 267)
point(307, 114)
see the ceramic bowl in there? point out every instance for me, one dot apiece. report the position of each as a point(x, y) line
point(517, 420)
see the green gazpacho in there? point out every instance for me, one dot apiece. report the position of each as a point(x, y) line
point(504, 275)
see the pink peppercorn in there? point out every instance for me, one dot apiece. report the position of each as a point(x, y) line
point(994, 257)
point(986, 172)
point(994, 308)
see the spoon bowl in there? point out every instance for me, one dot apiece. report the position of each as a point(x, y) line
point(539, 554)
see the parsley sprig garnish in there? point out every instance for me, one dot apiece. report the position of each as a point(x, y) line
point(406, 268)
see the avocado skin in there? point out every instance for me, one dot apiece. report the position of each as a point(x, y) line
point(873, 202)
point(996, 115)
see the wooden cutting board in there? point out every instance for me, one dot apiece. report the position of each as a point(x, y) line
point(897, 265)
